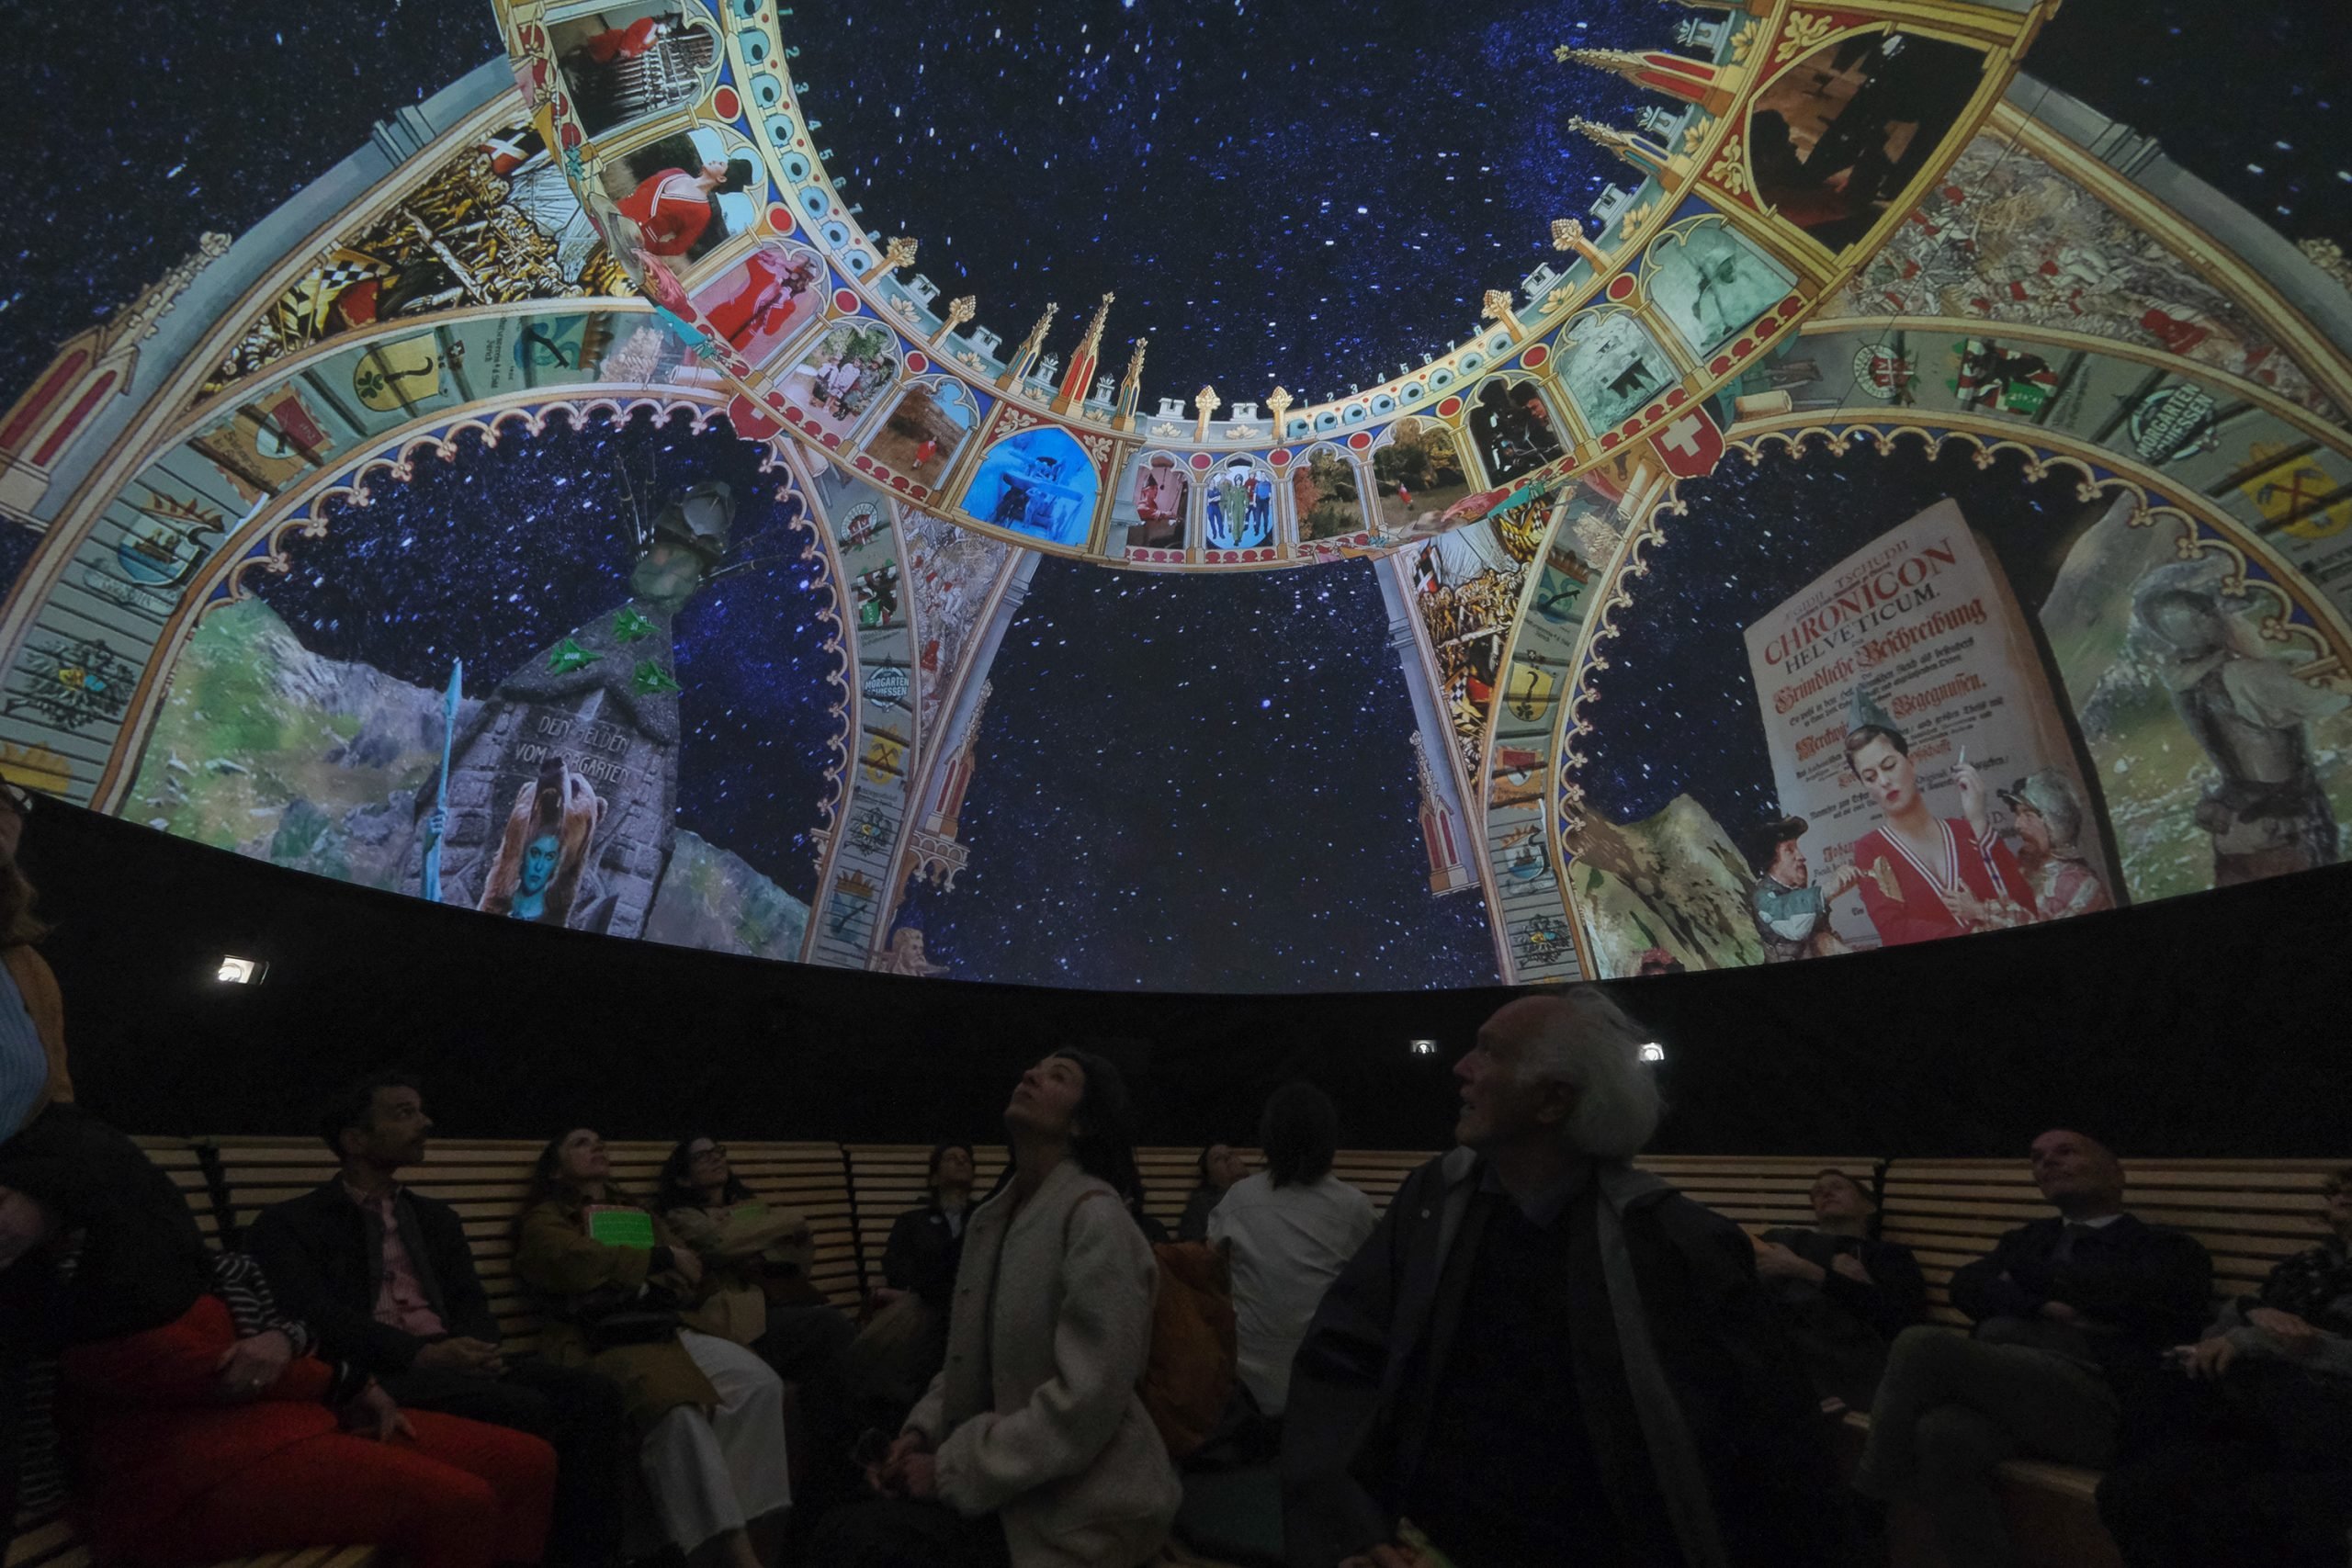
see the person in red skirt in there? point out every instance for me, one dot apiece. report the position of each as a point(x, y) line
point(201, 1427)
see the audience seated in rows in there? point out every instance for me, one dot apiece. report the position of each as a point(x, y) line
point(2256, 1473)
point(1843, 1293)
point(199, 1423)
point(1032, 1447)
point(614, 1277)
point(2073, 1315)
point(1291, 1229)
point(386, 1280)
point(904, 1344)
point(1541, 1345)
point(1219, 1168)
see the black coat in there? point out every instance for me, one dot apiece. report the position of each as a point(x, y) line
point(922, 1254)
point(1347, 1452)
point(325, 1270)
point(2146, 1288)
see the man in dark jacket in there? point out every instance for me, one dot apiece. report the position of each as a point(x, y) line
point(1542, 1348)
point(2073, 1315)
point(385, 1279)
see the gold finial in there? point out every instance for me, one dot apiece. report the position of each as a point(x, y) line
point(1206, 401)
point(1497, 308)
point(1093, 343)
point(1280, 399)
point(899, 253)
point(1567, 234)
point(1036, 338)
point(1133, 378)
point(958, 312)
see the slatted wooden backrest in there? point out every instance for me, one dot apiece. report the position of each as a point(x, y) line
point(814, 1179)
point(887, 1179)
point(1760, 1191)
point(484, 1180)
point(1378, 1172)
point(2249, 1214)
point(179, 1159)
point(1170, 1174)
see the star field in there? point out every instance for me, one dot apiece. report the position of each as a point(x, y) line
point(492, 558)
point(153, 122)
point(1201, 784)
point(1306, 193)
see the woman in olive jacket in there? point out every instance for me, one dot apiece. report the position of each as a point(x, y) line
point(710, 1411)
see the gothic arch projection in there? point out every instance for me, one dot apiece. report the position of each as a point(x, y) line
point(2114, 312)
point(1693, 155)
point(2019, 281)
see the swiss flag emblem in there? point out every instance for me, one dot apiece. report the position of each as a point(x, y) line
point(1689, 443)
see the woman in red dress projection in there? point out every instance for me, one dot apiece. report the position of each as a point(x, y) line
point(673, 208)
point(1925, 876)
point(201, 1428)
point(762, 300)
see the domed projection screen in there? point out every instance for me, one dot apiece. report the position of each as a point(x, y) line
point(1197, 497)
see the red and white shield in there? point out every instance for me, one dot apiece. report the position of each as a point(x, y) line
point(1689, 443)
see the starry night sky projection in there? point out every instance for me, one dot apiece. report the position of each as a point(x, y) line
point(1199, 782)
point(146, 133)
point(1677, 712)
point(1277, 192)
point(492, 558)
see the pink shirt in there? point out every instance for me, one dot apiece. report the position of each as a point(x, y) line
point(401, 1301)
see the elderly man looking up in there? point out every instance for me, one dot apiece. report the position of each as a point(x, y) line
point(1541, 1349)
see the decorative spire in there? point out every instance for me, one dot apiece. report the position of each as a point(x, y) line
point(1692, 81)
point(899, 253)
point(958, 312)
point(1279, 400)
point(1094, 340)
point(1205, 403)
point(1641, 154)
point(1567, 234)
point(1133, 378)
point(1036, 338)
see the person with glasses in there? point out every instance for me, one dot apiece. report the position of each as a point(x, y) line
point(757, 1291)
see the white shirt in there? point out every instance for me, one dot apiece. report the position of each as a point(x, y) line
point(1289, 1244)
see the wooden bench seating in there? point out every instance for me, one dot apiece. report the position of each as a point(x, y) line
point(2249, 1215)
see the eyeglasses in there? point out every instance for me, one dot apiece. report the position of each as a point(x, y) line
point(16, 799)
point(716, 1151)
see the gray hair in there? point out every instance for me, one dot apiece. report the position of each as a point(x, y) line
point(1594, 1046)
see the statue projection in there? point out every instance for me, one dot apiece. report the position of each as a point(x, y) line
point(582, 740)
point(545, 846)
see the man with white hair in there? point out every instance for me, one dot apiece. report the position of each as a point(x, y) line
point(1543, 1354)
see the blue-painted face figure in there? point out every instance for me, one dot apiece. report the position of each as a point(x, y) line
point(538, 864)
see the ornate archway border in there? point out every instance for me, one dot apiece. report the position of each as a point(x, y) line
point(259, 544)
point(2206, 528)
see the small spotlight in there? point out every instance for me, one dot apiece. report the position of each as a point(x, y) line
point(1653, 1052)
point(1422, 1047)
point(234, 970)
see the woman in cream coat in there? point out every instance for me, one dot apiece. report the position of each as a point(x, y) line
point(1032, 1446)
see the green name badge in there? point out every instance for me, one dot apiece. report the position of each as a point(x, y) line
point(619, 1226)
